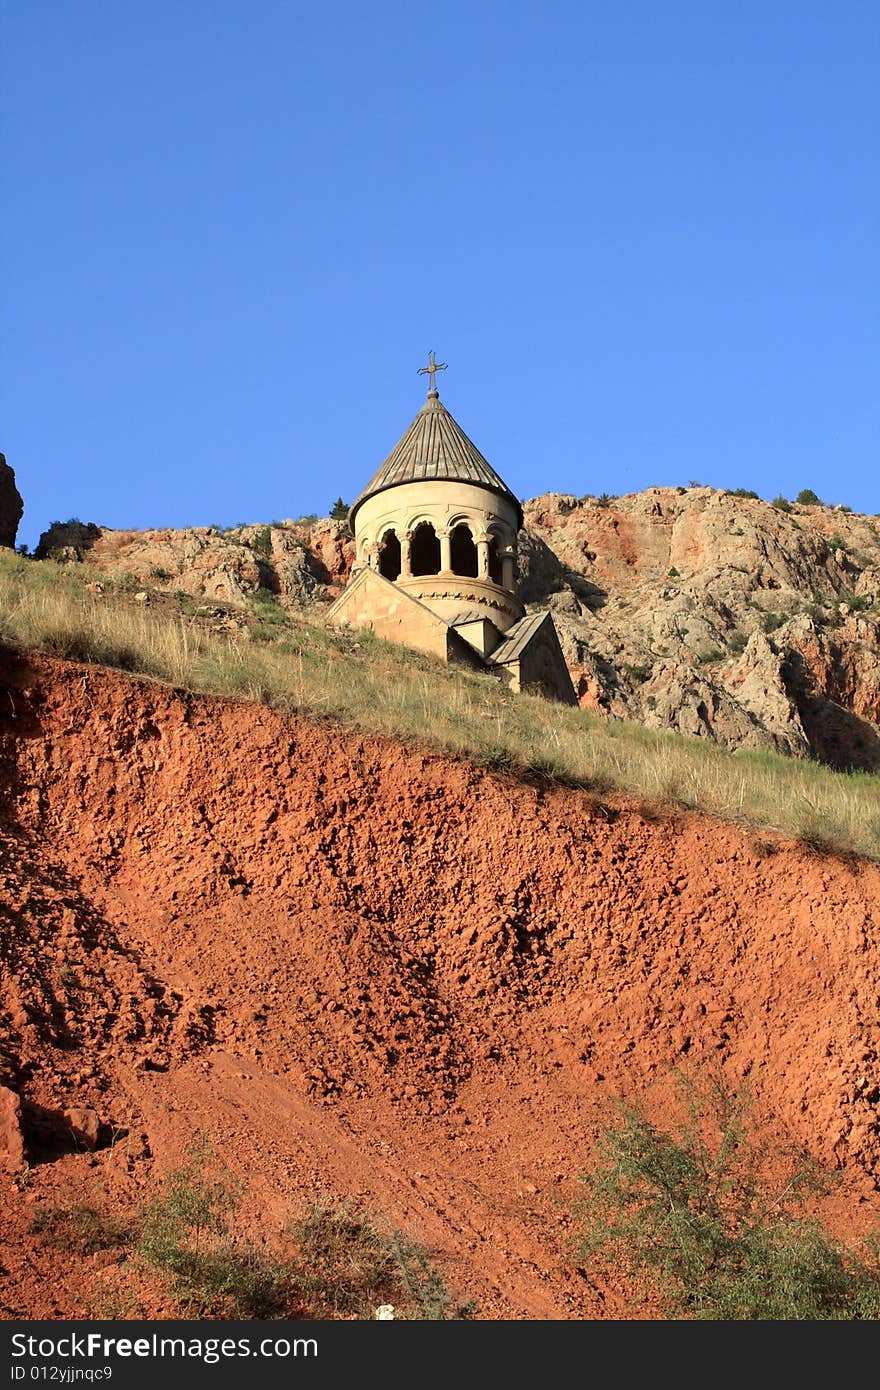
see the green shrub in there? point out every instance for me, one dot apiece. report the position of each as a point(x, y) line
point(343, 1264)
point(771, 621)
point(808, 498)
point(339, 510)
point(737, 642)
point(743, 492)
point(604, 499)
point(639, 673)
point(261, 541)
point(710, 1220)
point(349, 1265)
point(781, 504)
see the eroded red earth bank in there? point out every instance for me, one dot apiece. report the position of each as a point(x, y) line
point(374, 973)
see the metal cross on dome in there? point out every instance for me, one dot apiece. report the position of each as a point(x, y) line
point(431, 368)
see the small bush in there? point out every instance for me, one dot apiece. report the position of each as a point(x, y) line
point(781, 504)
point(348, 1265)
point(808, 498)
point(743, 492)
point(261, 541)
point(771, 621)
point(711, 1219)
point(639, 674)
point(672, 572)
point(604, 499)
point(186, 1234)
point(737, 642)
point(343, 1264)
point(339, 510)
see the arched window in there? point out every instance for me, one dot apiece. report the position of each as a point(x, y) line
point(464, 552)
point(389, 555)
point(495, 570)
point(425, 550)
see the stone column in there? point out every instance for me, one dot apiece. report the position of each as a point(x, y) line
point(445, 538)
point(482, 543)
point(373, 556)
point(406, 556)
point(508, 570)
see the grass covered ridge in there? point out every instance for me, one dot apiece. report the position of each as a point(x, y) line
point(359, 681)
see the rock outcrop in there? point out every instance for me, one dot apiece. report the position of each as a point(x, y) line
point(298, 563)
point(717, 614)
point(11, 505)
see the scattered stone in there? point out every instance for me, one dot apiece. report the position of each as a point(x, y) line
point(85, 1127)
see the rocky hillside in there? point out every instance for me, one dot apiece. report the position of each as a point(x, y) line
point(707, 612)
point(382, 975)
point(718, 615)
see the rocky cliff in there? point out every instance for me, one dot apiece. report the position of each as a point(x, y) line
point(707, 612)
point(11, 505)
point(717, 614)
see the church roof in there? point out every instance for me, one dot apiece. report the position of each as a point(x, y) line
point(435, 448)
point(517, 638)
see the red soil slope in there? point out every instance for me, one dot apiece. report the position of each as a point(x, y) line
point(381, 974)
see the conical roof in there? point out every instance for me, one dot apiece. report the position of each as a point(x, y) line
point(435, 448)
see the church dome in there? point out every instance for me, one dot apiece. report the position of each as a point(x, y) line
point(435, 449)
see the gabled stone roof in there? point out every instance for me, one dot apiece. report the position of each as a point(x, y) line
point(518, 637)
point(435, 447)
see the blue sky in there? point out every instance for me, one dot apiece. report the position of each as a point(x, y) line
point(644, 237)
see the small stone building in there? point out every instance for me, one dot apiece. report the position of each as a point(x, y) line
point(436, 536)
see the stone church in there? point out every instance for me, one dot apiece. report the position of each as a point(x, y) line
point(436, 559)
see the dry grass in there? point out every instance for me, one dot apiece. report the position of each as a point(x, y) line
point(359, 681)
